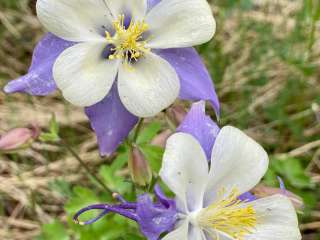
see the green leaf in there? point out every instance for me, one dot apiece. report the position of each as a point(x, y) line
point(82, 197)
point(53, 134)
point(54, 125)
point(154, 155)
point(109, 174)
point(293, 171)
point(61, 186)
point(54, 231)
point(120, 161)
point(148, 133)
point(114, 181)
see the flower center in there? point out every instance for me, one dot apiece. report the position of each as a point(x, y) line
point(229, 215)
point(127, 41)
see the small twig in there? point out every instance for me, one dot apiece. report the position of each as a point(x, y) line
point(303, 149)
point(9, 26)
point(310, 226)
point(314, 162)
point(83, 164)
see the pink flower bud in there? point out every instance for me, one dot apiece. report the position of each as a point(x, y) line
point(18, 138)
point(176, 114)
point(139, 167)
point(262, 191)
point(161, 139)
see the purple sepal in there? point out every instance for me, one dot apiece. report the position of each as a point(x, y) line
point(196, 83)
point(156, 218)
point(200, 126)
point(282, 186)
point(39, 80)
point(153, 218)
point(247, 197)
point(111, 121)
point(152, 3)
point(125, 209)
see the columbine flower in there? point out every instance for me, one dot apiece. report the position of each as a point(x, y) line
point(116, 38)
point(213, 202)
point(121, 59)
point(209, 200)
point(153, 218)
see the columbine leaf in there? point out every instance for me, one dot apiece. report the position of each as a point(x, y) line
point(53, 231)
point(149, 133)
point(153, 155)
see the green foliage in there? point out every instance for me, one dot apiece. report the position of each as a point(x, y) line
point(110, 227)
point(53, 231)
point(152, 153)
point(60, 186)
point(154, 156)
point(292, 171)
point(111, 177)
point(13, 4)
point(53, 134)
point(149, 133)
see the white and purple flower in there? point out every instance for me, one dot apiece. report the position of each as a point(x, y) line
point(209, 200)
point(212, 201)
point(154, 218)
point(121, 59)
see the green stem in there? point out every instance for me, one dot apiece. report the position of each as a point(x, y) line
point(315, 16)
point(83, 164)
point(312, 38)
point(138, 129)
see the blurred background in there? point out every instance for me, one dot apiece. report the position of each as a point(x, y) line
point(265, 62)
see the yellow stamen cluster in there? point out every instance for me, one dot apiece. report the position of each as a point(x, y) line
point(127, 41)
point(229, 215)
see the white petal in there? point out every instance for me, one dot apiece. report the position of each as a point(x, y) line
point(277, 219)
point(180, 23)
point(136, 8)
point(75, 20)
point(218, 235)
point(151, 86)
point(196, 233)
point(83, 75)
point(180, 233)
point(236, 161)
point(185, 170)
point(276, 209)
point(274, 232)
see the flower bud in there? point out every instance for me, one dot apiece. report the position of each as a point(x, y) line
point(18, 138)
point(262, 191)
point(176, 114)
point(161, 139)
point(139, 167)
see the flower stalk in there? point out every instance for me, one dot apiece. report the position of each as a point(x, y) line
point(84, 165)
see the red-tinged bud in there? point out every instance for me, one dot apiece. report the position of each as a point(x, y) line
point(262, 191)
point(176, 114)
point(161, 139)
point(18, 138)
point(139, 167)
